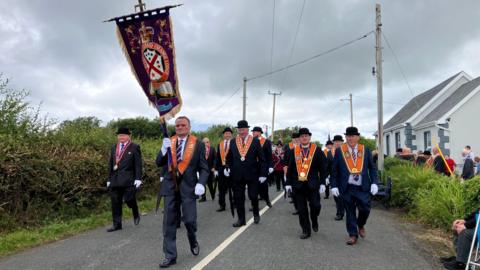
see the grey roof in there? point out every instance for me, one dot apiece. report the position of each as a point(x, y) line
point(451, 101)
point(416, 104)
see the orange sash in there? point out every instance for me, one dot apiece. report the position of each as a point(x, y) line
point(243, 150)
point(326, 152)
point(262, 141)
point(291, 145)
point(223, 151)
point(357, 167)
point(304, 163)
point(187, 153)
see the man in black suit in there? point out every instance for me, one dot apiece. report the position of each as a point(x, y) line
point(286, 150)
point(181, 186)
point(223, 181)
point(247, 167)
point(125, 174)
point(307, 170)
point(337, 143)
point(210, 156)
point(267, 151)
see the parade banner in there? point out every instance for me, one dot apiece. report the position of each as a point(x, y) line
point(146, 39)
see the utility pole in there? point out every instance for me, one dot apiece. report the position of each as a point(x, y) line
point(141, 6)
point(350, 99)
point(244, 116)
point(274, 94)
point(379, 73)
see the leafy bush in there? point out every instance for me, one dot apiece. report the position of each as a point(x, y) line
point(406, 181)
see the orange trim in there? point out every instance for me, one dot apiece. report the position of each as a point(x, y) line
point(262, 141)
point(291, 145)
point(241, 149)
point(187, 153)
point(223, 151)
point(326, 152)
point(356, 168)
point(304, 163)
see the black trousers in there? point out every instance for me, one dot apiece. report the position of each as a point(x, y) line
point(211, 187)
point(339, 205)
point(239, 195)
point(305, 195)
point(118, 195)
point(223, 185)
point(279, 180)
point(263, 190)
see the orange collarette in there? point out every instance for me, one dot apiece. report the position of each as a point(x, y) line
point(243, 150)
point(357, 167)
point(187, 153)
point(224, 152)
point(304, 163)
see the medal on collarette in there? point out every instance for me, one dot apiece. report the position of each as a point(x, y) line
point(242, 158)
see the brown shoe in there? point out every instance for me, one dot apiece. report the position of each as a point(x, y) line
point(362, 232)
point(352, 240)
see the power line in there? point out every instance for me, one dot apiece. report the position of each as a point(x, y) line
point(226, 100)
point(372, 99)
point(311, 58)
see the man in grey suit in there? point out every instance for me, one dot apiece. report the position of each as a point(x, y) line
point(181, 186)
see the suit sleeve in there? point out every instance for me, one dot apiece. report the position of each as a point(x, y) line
point(334, 181)
point(268, 153)
point(137, 154)
point(372, 169)
point(218, 159)
point(110, 164)
point(261, 158)
point(323, 163)
point(291, 164)
point(202, 165)
point(229, 157)
point(213, 157)
point(161, 160)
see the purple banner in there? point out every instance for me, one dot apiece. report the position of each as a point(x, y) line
point(147, 41)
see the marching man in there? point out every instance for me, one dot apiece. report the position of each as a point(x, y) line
point(353, 178)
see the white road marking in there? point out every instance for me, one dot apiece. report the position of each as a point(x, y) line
point(205, 261)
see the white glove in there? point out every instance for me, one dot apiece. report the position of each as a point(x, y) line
point(137, 183)
point(215, 173)
point(327, 181)
point(270, 170)
point(284, 178)
point(161, 179)
point(199, 189)
point(108, 184)
point(288, 189)
point(374, 189)
point(165, 145)
point(335, 192)
point(322, 189)
point(262, 179)
point(226, 172)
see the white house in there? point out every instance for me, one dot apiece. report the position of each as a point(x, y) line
point(447, 113)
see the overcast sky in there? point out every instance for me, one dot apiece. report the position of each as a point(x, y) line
point(68, 59)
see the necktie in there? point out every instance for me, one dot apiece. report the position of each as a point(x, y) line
point(121, 146)
point(356, 177)
point(179, 150)
point(225, 146)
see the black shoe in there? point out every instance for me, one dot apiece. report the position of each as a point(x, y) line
point(315, 228)
point(167, 262)
point(114, 228)
point(447, 259)
point(305, 235)
point(295, 213)
point(278, 190)
point(202, 200)
point(250, 209)
point(195, 249)
point(338, 217)
point(238, 224)
point(290, 202)
point(326, 197)
point(454, 265)
point(256, 219)
point(136, 220)
point(178, 225)
point(269, 204)
point(221, 209)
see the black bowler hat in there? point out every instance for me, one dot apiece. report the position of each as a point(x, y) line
point(304, 131)
point(259, 129)
point(329, 142)
point(227, 129)
point(427, 153)
point(338, 138)
point(295, 135)
point(242, 124)
point(352, 131)
point(123, 130)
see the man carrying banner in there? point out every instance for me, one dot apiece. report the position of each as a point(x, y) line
point(267, 151)
point(246, 166)
point(210, 156)
point(306, 177)
point(353, 178)
point(124, 177)
point(286, 155)
point(220, 161)
point(337, 143)
point(181, 184)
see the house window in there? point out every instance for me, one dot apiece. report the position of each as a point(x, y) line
point(397, 140)
point(387, 139)
point(427, 140)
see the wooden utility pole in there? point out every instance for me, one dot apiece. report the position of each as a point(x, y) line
point(141, 6)
point(379, 73)
point(350, 99)
point(274, 94)
point(244, 116)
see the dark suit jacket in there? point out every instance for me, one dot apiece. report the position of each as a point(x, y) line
point(129, 167)
point(329, 162)
point(254, 165)
point(316, 175)
point(439, 166)
point(218, 159)
point(267, 151)
point(286, 154)
point(341, 174)
point(211, 158)
point(189, 179)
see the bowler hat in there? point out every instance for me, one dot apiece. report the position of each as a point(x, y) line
point(259, 129)
point(304, 131)
point(242, 124)
point(123, 130)
point(329, 142)
point(352, 131)
point(295, 135)
point(338, 138)
point(227, 129)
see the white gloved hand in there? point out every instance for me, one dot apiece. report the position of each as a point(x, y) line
point(262, 179)
point(108, 184)
point(284, 178)
point(335, 192)
point(322, 189)
point(288, 189)
point(199, 189)
point(161, 179)
point(327, 181)
point(137, 183)
point(270, 170)
point(165, 145)
point(215, 173)
point(226, 172)
point(374, 189)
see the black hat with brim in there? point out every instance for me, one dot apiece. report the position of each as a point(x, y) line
point(304, 131)
point(258, 129)
point(227, 129)
point(352, 131)
point(295, 135)
point(329, 143)
point(242, 124)
point(123, 130)
point(338, 138)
